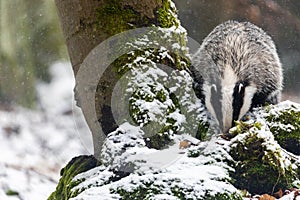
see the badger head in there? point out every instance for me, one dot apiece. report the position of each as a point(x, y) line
point(228, 98)
point(235, 69)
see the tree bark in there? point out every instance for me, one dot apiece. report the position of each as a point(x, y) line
point(86, 24)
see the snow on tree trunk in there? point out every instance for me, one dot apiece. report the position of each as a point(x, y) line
point(88, 23)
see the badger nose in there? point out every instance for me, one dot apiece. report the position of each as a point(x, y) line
point(226, 129)
point(227, 124)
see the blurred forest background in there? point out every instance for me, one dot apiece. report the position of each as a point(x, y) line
point(31, 38)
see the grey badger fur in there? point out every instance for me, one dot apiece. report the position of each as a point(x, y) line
point(236, 69)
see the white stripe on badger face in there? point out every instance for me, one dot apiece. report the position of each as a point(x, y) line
point(207, 94)
point(228, 84)
point(248, 95)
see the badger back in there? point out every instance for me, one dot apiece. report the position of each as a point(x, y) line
point(235, 69)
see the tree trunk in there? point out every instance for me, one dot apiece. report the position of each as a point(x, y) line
point(85, 25)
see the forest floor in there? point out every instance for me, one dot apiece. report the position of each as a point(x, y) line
point(36, 144)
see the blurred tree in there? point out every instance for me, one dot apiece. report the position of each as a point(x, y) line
point(30, 40)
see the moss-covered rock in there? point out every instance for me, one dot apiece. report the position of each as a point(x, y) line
point(203, 177)
point(284, 123)
point(261, 165)
point(250, 159)
point(167, 15)
point(76, 166)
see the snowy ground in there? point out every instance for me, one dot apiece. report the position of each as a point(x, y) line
point(35, 145)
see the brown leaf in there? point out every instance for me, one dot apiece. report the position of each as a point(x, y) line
point(296, 194)
point(184, 144)
point(266, 197)
point(278, 194)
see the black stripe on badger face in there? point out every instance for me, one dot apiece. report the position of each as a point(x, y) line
point(238, 99)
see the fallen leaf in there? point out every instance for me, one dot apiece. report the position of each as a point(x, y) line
point(278, 194)
point(296, 194)
point(184, 144)
point(266, 197)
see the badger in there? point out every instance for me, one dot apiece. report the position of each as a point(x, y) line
point(236, 69)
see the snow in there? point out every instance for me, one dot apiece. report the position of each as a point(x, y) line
point(36, 144)
point(290, 196)
point(171, 167)
point(162, 167)
point(28, 183)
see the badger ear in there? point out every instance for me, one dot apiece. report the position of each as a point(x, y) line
point(240, 86)
point(214, 88)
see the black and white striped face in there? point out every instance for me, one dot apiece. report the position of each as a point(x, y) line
point(236, 68)
point(229, 99)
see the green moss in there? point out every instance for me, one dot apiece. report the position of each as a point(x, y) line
point(11, 193)
point(114, 19)
point(119, 63)
point(141, 116)
point(285, 126)
point(224, 196)
point(150, 93)
point(260, 165)
point(257, 168)
point(202, 130)
point(166, 15)
point(158, 141)
point(76, 166)
point(193, 153)
point(148, 189)
point(144, 191)
point(242, 127)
